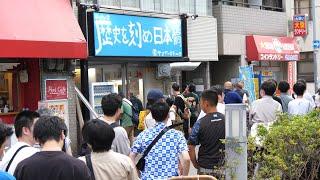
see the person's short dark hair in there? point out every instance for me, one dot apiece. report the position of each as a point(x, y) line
point(218, 89)
point(175, 87)
point(121, 94)
point(24, 119)
point(299, 88)
point(192, 87)
point(184, 86)
point(170, 101)
point(98, 134)
point(274, 81)
point(49, 128)
point(211, 96)
point(110, 104)
point(269, 87)
point(45, 112)
point(284, 86)
point(302, 81)
point(5, 132)
point(160, 111)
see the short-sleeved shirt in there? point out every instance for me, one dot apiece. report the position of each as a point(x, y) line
point(163, 159)
point(53, 165)
point(299, 106)
point(112, 165)
point(126, 119)
point(265, 110)
point(21, 155)
point(208, 132)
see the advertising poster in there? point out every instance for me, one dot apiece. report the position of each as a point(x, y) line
point(246, 76)
point(58, 108)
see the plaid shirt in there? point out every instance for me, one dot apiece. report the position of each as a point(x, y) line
point(163, 159)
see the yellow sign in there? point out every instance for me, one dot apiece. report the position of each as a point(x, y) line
point(267, 73)
point(256, 87)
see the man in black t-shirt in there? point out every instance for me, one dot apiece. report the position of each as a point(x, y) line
point(51, 163)
point(208, 132)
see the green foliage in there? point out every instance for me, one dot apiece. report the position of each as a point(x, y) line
point(291, 148)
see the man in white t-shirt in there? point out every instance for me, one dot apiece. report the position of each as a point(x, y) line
point(300, 105)
point(220, 105)
point(23, 149)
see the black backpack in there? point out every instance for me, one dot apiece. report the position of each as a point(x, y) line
point(135, 112)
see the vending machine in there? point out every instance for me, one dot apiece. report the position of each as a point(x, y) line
point(97, 91)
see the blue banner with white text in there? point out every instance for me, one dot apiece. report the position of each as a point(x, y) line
point(120, 35)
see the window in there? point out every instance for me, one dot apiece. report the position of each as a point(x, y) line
point(187, 6)
point(203, 7)
point(130, 3)
point(151, 5)
point(272, 5)
point(109, 2)
point(303, 7)
point(305, 67)
point(170, 6)
point(147, 5)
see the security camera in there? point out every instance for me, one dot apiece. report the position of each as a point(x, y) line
point(96, 7)
point(194, 17)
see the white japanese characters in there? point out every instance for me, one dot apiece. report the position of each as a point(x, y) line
point(139, 34)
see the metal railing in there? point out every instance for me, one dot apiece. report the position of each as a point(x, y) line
point(248, 5)
point(86, 103)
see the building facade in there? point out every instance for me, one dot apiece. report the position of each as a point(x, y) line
point(37, 60)
point(134, 70)
point(247, 26)
point(305, 67)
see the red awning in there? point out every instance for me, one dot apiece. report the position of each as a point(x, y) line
point(40, 29)
point(268, 48)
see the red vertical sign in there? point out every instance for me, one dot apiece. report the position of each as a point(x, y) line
point(300, 25)
point(291, 75)
point(56, 89)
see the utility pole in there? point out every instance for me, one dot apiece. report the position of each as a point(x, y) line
point(316, 56)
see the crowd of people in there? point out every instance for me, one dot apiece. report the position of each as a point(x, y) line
point(130, 142)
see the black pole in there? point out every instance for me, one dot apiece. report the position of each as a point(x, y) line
point(84, 63)
point(184, 29)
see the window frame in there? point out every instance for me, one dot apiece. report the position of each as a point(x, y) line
point(297, 8)
point(306, 57)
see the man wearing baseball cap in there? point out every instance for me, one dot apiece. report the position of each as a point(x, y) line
point(154, 96)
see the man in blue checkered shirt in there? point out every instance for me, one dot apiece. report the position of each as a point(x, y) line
point(163, 159)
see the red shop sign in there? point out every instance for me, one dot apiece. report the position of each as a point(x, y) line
point(268, 48)
point(56, 89)
point(300, 25)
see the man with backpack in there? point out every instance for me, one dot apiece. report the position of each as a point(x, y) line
point(111, 107)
